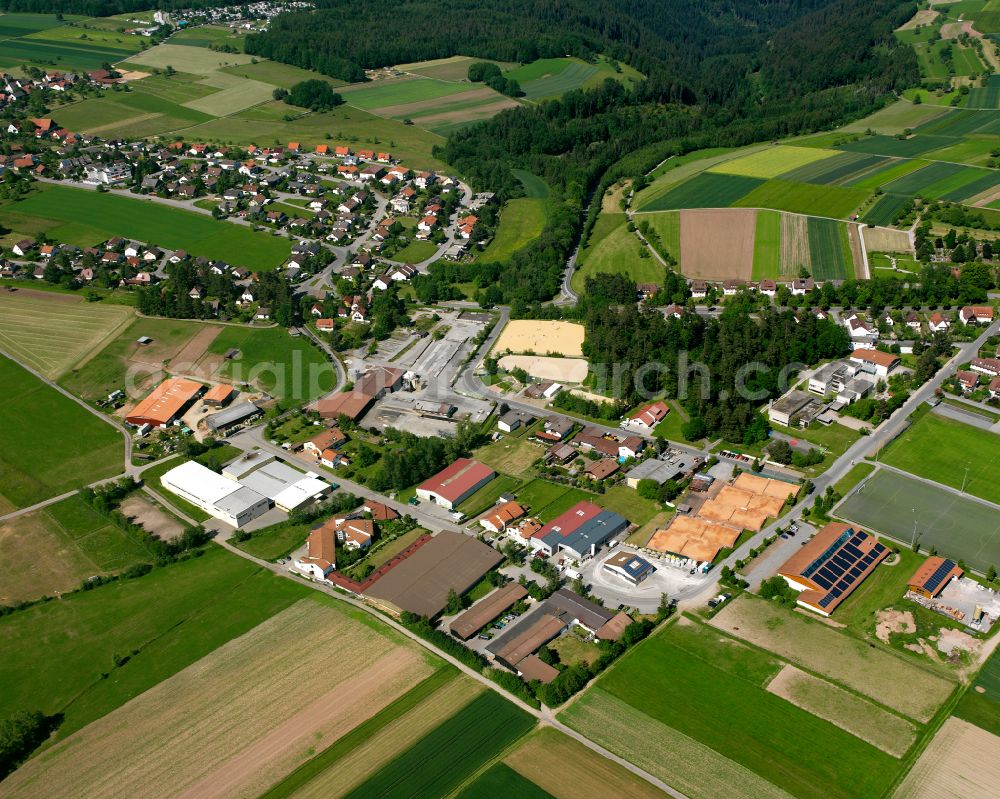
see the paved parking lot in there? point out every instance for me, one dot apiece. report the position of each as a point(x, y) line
point(645, 597)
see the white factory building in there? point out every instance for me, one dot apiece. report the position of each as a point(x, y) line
point(246, 489)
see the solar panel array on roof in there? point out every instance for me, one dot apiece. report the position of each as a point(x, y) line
point(846, 571)
point(940, 573)
point(820, 561)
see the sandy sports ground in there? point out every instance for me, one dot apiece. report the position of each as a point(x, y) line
point(961, 762)
point(718, 244)
point(541, 338)
point(52, 332)
point(237, 721)
point(561, 370)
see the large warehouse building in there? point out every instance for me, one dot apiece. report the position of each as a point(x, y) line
point(224, 499)
point(580, 531)
point(452, 486)
point(165, 403)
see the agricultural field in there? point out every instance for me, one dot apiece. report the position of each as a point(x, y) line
point(960, 527)
point(613, 249)
point(285, 367)
point(980, 704)
point(261, 702)
point(68, 44)
point(30, 470)
point(552, 77)
point(883, 239)
point(804, 198)
point(808, 642)
point(447, 755)
point(166, 620)
point(896, 117)
point(716, 245)
point(521, 221)
point(110, 215)
point(774, 161)
point(52, 332)
point(207, 35)
point(706, 190)
point(78, 543)
point(277, 73)
point(706, 700)
point(667, 225)
point(829, 250)
point(884, 210)
point(940, 449)
point(501, 780)
point(107, 370)
point(987, 96)
point(961, 760)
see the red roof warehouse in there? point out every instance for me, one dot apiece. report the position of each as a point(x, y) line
point(452, 486)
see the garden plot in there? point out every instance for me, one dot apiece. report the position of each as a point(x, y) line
point(249, 712)
point(717, 245)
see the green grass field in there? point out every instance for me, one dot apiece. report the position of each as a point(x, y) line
point(278, 74)
point(940, 449)
point(521, 221)
point(613, 249)
point(31, 467)
point(534, 187)
point(286, 367)
point(829, 250)
point(57, 652)
point(713, 691)
point(773, 161)
point(44, 40)
point(960, 527)
point(885, 209)
point(548, 500)
point(980, 705)
point(553, 77)
point(112, 215)
point(415, 252)
point(767, 246)
point(667, 225)
point(987, 96)
point(706, 190)
point(502, 780)
point(896, 148)
point(401, 92)
point(444, 758)
point(804, 198)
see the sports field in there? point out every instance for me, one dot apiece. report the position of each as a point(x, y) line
point(960, 527)
point(110, 215)
point(252, 710)
point(52, 332)
point(521, 221)
point(941, 450)
point(707, 691)
point(773, 161)
point(809, 643)
point(526, 336)
point(33, 465)
point(77, 542)
point(56, 652)
point(613, 249)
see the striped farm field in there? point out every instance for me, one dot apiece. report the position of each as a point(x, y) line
point(804, 198)
point(774, 161)
point(958, 123)
point(767, 246)
point(795, 253)
point(52, 332)
point(986, 182)
point(837, 170)
point(251, 712)
point(933, 180)
point(501, 780)
point(707, 190)
point(893, 147)
point(885, 209)
point(888, 172)
point(442, 759)
point(987, 96)
point(829, 250)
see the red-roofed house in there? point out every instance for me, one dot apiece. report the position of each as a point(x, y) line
point(647, 418)
point(452, 486)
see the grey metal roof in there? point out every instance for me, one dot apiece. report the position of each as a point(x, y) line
point(231, 415)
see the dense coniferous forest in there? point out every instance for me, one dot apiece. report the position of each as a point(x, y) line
point(104, 8)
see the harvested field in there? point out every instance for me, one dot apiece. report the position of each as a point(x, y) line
point(184, 362)
point(156, 521)
point(52, 332)
point(717, 244)
point(925, 16)
point(682, 762)
point(249, 713)
point(879, 727)
point(198, 60)
point(884, 239)
point(794, 244)
point(560, 370)
point(362, 761)
point(962, 761)
point(542, 337)
point(891, 680)
point(857, 251)
point(569, 770)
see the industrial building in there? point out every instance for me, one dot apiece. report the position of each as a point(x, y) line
point(629, 567)
point(224, 499)
point(933, 575)
point(450, 487)
point(580, 531)
point(831, 565)
point(288, 488)
point(486, 610)
point(165, 403)
point(233, 417)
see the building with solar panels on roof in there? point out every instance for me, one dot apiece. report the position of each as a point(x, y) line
point(831, 565)
point(932, 576)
